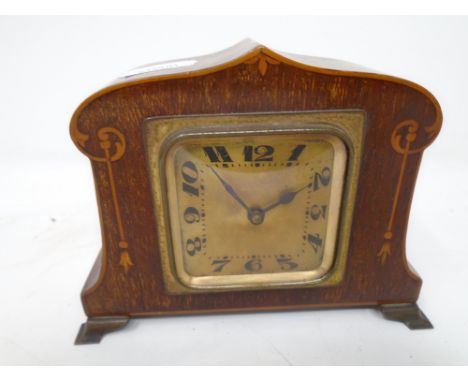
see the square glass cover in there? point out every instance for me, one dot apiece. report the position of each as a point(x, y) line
point(254, 209)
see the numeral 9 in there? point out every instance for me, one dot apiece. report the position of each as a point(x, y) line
point(191, 215)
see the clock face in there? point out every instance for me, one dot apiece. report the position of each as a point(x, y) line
point(254, 210)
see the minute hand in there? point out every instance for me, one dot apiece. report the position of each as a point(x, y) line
point(230, 190)
point(286, 198)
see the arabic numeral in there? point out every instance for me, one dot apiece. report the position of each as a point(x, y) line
point(190, 175)
point(322, 178)
point(191, 215)
point(193, 246)
point(315, 241)
point(220, 263)
point(253, 265)
point(217, 154)
point(262, 152)
point(286, 262)
point(317, 212)
point(296, 152)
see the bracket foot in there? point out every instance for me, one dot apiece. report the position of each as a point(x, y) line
point(408, 314)
point(92, 331)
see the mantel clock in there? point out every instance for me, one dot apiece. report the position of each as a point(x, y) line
point(253, 180)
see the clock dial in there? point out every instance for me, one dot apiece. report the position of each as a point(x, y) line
point(254, 209)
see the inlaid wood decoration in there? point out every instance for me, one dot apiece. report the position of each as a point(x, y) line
point(253, 180)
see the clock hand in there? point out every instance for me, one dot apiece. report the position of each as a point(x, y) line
point(286, 198)
point(254, 214)
point(230, 190)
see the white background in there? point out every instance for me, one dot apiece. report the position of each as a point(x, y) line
point(49, 230)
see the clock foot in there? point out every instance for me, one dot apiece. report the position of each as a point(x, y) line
point(92, 331)
point(408, 314)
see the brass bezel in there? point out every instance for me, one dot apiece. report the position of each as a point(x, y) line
point(161, 134)
point(254, 279)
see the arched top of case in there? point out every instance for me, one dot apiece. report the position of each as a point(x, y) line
point(250, 52)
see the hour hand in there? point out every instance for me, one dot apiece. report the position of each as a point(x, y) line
point(230, 190)
point(285, 198)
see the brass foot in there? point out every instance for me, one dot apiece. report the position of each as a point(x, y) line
point(92, 331)
point(408, 314)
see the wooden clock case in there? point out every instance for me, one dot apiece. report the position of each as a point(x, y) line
point(402, 119)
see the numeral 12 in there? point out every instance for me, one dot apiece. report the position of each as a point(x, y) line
point(262, 153)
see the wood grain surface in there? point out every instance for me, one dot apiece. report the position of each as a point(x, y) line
point(402, 120)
